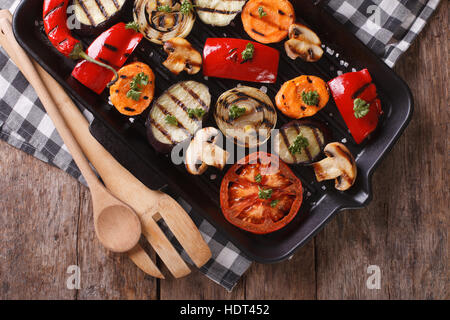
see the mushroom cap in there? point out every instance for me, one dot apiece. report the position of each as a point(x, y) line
point(182, 56)
point(339, 165)
point(203, 152)
point(303, 43)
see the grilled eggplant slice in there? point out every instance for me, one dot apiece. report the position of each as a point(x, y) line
point(301, 141)
point(218, 12)
point(161, 20)
point(95, 16)
point(246, 115)
point(172, 117)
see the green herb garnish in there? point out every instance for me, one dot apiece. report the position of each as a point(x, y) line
point(299, 144)
point(196, 113)
point(140, 80)
point(274, 203)
point(361, 108)
point(186, 7)
point(258, 178)
point(247, 54)
point(171, 120)
point(165, 8)
point(132, 25)
point(261, 12)
point(311, 98)
point(236, 112)
point(134, 94)
point(264, 193)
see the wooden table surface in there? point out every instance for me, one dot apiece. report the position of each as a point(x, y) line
point(46, 221)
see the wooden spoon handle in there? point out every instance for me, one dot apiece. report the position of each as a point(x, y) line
point(127, 188)
point(137, 254)
point(7, 34)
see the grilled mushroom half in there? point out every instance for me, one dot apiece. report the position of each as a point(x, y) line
point(339, 165)
point(182, 56)
point(246, 115)
point(203, 151)
point(303, 43)
point(218, 12)
point(161, 20)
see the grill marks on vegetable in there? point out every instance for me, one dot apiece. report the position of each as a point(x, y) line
point(176, 102)
point(287, 136)
point(218, 13)
point(95, 12)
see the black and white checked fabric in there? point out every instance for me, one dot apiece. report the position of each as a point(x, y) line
point(387, 26)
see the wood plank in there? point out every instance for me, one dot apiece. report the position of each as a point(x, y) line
point(196, 286)
point(404, 229)
point(39, 207)
point(291, 280)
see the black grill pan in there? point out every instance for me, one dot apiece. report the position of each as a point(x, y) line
point(126, 138)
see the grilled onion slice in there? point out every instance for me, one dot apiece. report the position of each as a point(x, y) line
point(316, 137)
point(159, 26)
point(255, 125)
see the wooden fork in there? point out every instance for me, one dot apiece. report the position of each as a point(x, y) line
point(148, 204)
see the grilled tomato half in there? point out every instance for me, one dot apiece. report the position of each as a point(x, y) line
point(260, 194)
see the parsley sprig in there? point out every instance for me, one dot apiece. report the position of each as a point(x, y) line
point(132, 25)
point(186, 7)
point(274, 203)
point(258, 178)
point(248, 53)
point(236, 112)
point(196, 113)
point(261, 12)
point(311, 98)
point(299, 144)
point(171, 120)
point(361, 108)
point(139, 81)
point(264, 193)
point(165, 8)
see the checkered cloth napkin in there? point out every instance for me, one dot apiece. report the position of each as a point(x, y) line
point(387, 26)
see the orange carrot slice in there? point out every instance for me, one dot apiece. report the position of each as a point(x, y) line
point(302, 97)
point(118, 91)
point(268, 21)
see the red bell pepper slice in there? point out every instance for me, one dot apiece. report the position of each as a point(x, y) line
point(222, 58)
point(345, 90)
point(112, 47)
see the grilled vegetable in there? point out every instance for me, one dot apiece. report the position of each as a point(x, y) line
point(303, 43)
point(300, 141)
point(113, 46)
point(174, 104)
point(246, 115)
point(302, 97)
point(95, 16)
point(54, 15)
point(182, 56)
point(134, 90)
point(357, 100)
point(203, 151)
point(240, 60)
point(339, 165)
point(260, 194)
point(218, 12)
point(161, 20)
point(268, 21)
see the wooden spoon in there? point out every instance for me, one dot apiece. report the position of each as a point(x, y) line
point(117, 226)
